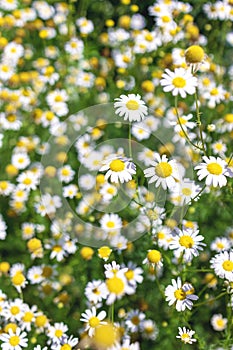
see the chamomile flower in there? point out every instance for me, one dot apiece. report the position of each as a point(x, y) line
point(154, 258)
point(186, 244)
point(181, 295)
point(222, 264)
point(118, 169)
point(57, 331)
point(131, 107)
point(117, 287)
point(164, 172)
point(214, 170)
point(110, 222)
point(96, 291)
point(184, 192)
point(220, 243)
point(14, 340)
point(181, 81)
point(218, 322)
point(186, 335)
point(134, 320)
point(92, 320)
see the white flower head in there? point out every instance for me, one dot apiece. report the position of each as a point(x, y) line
point(130, 107)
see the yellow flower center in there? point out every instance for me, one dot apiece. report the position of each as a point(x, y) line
point(104, 252)
point(94, 321)
point(185, 336)
point(214, 168)
point(11, 118)
point(57, 248)
point(194, 54)
point(110, 224)
point(135, 320)
point(149, 37)
point(228, 265)
point(129, 275)
point(117, 165)
point(186, 191)
point(165, 19)
point(34, 244)
point(14, 340)
point(220, 245)
point(58, 333)
point(214, 92)
point(163, 169)
point(105, 336)
point(66, 347)
point(154, 256)
point(132, 105)
point(3, 185)
point(229, 118)
point(220, 322)
point(179, 82)
point(58, 98)
point(15, 310)
point(28, 316)
point(18, 279)
point(41, 320)
point(186, 241)
point(115, 285)
point(27, 181)
point(180, 294)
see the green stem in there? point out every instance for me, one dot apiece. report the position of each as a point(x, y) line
point(181, 126)
point(199, 123)
point(210, 300)
point(193, 199)
point(130, 142)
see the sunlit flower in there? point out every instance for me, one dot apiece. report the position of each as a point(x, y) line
point(14, 340)
point(222, 264)
point(181, 81)
point(130, 107)
point(186, 335)
point(218, 322)
point(118, 169)
point(92, 320)
point(214, 170)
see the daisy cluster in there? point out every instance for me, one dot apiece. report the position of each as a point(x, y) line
point(115, 224)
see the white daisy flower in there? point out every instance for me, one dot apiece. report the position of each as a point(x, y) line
point(110, 222)
point(181, 81)
point(181, 295)
point(14, 341)
point(117, 287)
point(184, 192)
point(220, 243)
point(130, 107)
point(92, 320)
point(163, 172)
point(214, 170)
point(185, 335)
point(118, 169)
point(218, 322)
point(134, 320)
point(186, 244)
point(20, 160)
point(222, 264)
point(96, 291)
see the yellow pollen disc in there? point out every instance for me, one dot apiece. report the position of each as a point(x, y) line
point(14, 340)
point(117, 165)
point(110, 224)
point(214, 168)
point(41, 320)
point(115, 285)
point(132, 105)
point(135, 320)
point(154, 256)
point(58, 333)
point(179, 82)
point(58, 98)
point(94, 321)
point(185, 336)
point(194, 54)
point(28, 316)
point(220, 322)
point(149, 37)
point(229, 118)
point(214, 92)
point(15, 310)
point(27, 181)
point(105, 336)
point(166, 19)
point(186, 191)
point(18, 279)
point(129, 275)
point(11, 118)
point(220, 245)
point(66, 347)
point(186, 241)
point(163, 169)
point(180, 294)
point(228, 265)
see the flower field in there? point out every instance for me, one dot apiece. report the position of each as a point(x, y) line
point(116, 178)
